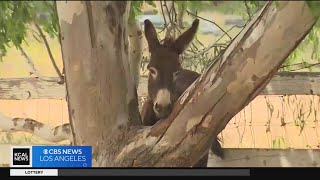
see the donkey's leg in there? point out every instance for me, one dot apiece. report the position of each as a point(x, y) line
point(148, 116)
point(217, 149)
point(203, 162)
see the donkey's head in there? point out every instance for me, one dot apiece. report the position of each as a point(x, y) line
point(164, 66)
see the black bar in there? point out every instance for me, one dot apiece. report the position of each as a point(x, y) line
point(154, 172)
point(4, 172)
point(286, 171)
point(265, 171)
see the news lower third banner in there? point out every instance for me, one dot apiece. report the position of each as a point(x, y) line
point(51, 156)
point(77, 161)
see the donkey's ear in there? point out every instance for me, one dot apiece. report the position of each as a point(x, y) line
point(151, 35)
point(184, 39)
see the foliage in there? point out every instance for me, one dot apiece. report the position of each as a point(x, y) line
point(310, 45)
point(195, 5)
point(308, 49)
point(314, 7)
point(17, 16)
point(135, 10)
point(51, 24)
point(279, 142)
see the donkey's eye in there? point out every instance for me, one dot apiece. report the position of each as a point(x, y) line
point(153, 71)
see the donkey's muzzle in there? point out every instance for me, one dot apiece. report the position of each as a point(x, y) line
point(162, 111)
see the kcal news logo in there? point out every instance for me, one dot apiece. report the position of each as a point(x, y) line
point(51, 156)
point(21, 156)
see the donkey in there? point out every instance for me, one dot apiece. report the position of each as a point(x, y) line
point(167, 80)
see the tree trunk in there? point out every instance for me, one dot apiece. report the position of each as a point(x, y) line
point(135, 50)
point(102, 98)
point(101, 93)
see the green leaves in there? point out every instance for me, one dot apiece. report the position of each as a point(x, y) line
point(51, 25)
point(135, 10)
point(151, 3)
point(313, 37)
point(197, 5)
point(17, 16)
point(279, 142)
point(14, 16)
point(181, 5)
point(308, 49)
point(314, 7)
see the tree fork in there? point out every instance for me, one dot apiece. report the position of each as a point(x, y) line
point(102, 96)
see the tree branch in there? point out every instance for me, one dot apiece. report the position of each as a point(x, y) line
point(253, 57)
point(107, 111)
point(174, 12)
point(248, 9)
point(307, 66)
point(33, 69)
point(164, 16)
point(49, 52)
point(215, 44)
point(211, 22)
point(204, 50)
point(168, 11)
point(171, 22)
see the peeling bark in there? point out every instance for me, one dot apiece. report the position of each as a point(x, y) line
point(101, 90)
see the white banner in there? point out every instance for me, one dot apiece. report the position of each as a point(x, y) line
point(33, 172)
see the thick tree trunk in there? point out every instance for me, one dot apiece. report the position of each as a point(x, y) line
point(101, 93)
point(103, 103)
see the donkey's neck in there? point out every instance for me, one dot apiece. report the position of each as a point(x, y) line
point(184, 80)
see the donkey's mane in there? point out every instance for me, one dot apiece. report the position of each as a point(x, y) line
point(168, 42)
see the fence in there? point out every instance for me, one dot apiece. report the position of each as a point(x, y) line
point(285, 115)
